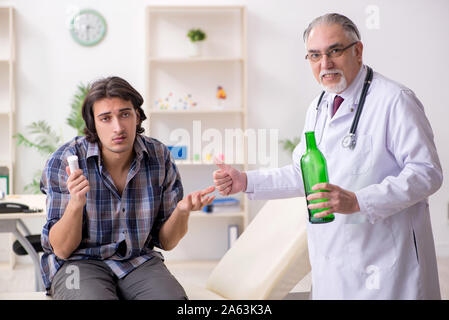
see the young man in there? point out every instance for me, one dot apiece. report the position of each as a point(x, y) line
point(104, 219)
point(380, 245)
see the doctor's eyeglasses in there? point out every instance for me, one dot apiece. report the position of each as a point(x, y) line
point(332, 53)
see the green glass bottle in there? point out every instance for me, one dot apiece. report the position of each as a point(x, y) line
point(314, 170)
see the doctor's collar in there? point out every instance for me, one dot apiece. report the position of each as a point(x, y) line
point(352, 92)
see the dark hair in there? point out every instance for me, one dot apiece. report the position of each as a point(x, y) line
point(111, 87)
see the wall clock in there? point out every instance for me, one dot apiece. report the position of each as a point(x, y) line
point(88, 27)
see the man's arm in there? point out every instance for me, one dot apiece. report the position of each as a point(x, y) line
point(65, 235)
point(276, 183)
point(174, 229)
point(411, 142)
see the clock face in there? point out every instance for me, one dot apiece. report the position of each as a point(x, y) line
point(88, 27)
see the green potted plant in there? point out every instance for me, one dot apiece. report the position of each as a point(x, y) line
point(290, 145)
point(196, 36)
point(46, 141)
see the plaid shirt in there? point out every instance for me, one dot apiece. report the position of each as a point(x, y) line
point(119, 229)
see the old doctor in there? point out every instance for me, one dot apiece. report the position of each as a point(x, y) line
point(380, 245)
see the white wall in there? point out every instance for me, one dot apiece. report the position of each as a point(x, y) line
point(410, 47)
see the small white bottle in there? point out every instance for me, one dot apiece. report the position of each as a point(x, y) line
point(73, 163)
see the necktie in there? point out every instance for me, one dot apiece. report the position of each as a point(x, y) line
point(337, 102)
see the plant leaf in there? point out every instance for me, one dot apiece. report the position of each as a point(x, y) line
point(34, 187)
point(44, 140)
point(75, 119)
point(290, 145)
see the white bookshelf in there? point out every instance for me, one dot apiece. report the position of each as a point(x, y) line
point(7, 112)
point(201, 163)
point(193, 59)
point(217, 215)
point(197, 111)
point(7, 94)
point(170, 69)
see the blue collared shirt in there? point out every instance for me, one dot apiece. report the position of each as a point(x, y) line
point(121, 230)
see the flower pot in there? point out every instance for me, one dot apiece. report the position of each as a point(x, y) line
point(194, 48)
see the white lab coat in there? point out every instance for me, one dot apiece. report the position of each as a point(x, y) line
point(393, 170)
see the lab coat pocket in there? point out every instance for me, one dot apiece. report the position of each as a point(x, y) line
point(369, 245)
point(360, 159)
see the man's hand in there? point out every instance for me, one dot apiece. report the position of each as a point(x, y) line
point(229, 180)
point(196, 200)
point(176, 226)
point(65, 236)
point(78, 186)
point(338, 200)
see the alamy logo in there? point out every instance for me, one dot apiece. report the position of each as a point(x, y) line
point(73, 280)
point(373, 280)
point(373, 18)
point(261, 145)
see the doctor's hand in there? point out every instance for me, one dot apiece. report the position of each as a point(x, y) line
point(338, 200)
point(228, 180)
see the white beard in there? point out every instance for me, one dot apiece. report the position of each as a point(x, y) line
point(336, 88)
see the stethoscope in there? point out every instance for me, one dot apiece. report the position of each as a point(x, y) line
point(349, 140)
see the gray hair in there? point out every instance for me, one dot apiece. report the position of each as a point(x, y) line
point(334, 18)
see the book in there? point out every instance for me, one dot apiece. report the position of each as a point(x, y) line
point(223, 205)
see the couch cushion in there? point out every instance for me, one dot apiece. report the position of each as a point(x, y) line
point(269, 258)
point(197, 292)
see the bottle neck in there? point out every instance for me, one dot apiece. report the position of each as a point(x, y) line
point(310, 140)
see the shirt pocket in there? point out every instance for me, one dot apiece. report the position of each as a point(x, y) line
point(359, 159)
point(368, 244)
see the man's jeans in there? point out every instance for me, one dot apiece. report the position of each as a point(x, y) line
point(93, 279)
